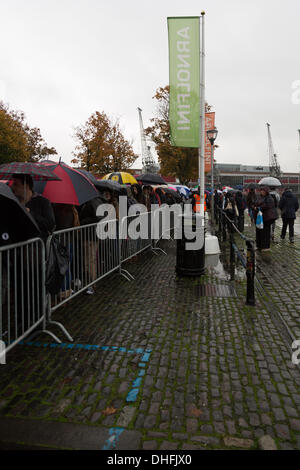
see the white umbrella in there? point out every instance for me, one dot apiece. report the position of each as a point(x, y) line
point(269, 181)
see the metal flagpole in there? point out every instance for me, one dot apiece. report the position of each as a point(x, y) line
point(202, 119)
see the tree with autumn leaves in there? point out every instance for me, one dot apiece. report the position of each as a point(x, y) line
point(181, 162)
point(102, 147)
point(18, 141)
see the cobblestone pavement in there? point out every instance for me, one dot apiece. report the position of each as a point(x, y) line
point(168, 362)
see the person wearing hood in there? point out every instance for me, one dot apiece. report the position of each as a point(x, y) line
point(137, 193)
point(288, 205)
point(266, 204)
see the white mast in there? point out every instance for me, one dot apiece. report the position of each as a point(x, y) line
point(147, 159)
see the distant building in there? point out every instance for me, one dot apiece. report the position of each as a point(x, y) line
point(232, 174)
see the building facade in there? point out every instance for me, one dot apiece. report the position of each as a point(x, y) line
point(232, 174)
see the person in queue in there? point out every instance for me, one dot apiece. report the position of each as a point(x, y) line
point(39, 207)
point(266, 204)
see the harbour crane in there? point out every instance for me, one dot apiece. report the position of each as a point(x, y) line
point(149, 164)
point(273, 160)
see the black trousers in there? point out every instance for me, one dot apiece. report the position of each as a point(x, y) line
point(263, 236)
point(287, 222)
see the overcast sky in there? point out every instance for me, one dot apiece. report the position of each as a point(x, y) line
point(61, 60)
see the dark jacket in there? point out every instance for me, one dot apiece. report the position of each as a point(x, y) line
point(42, 212)
point(240, 202)
point(230, 206)
point(288, 204)
point(267, 206)
point(250, 200)
point(87, 212)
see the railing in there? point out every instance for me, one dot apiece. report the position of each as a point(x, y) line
point(227, 225)
point(23, 296)
point(94, 250)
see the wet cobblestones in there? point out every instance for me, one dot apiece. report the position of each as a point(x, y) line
point(219, 373)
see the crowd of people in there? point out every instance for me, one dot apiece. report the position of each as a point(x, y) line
point(265, 199)
point(50, 217)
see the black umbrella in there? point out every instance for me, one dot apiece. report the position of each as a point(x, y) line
point(173, 193)
point(251, 185)
point(151, 178)
point(89, 175)
point(17, 225)
point(103, 185)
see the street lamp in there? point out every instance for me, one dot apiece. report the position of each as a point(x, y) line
point(212, 135)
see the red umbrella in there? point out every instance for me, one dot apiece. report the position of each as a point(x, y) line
point(74, 187)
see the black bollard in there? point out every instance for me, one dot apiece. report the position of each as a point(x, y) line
point(250, 272)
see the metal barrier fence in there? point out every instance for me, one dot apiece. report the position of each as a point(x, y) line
point(227, 225)
point(94, 250)
point(91, 257)
point(23, 296)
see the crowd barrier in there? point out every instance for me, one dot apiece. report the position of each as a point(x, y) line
point(22, 289)
point(94, 252)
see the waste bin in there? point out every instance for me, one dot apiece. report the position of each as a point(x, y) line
point(189, 261)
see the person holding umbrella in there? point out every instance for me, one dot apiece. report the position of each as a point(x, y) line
point(38, 206)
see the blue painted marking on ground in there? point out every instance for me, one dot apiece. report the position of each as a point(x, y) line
point(112, 441)
point(89, 347)
point(136, 384)
point(146, 357)
point(132, 395)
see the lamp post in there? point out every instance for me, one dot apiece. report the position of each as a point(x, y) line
point(212, 135)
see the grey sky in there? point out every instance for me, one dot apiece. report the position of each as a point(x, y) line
point(62, 60)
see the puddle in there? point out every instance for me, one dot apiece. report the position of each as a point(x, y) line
point(225, 270)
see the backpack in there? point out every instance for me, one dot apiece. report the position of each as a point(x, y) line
point(56, 266)
point(275, 199)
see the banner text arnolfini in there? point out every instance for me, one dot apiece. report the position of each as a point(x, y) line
point(184, 76)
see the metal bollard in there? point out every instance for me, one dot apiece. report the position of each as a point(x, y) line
point(223, 227)
point(250, 272)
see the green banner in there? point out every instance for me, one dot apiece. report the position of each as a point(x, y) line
point(184, 78)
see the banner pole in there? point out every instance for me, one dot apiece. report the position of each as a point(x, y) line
point(202, 118)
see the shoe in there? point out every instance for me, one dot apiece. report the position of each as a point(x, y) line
point(282, 238)
point(266, 249)
point(77, 283)
point(291, 240)
point(90, 291)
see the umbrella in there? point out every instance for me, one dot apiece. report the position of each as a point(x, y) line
point(112, 185)
point(183, 189)
point(269, 181)
point(173, 192)
point(121, 177)
point(37, 171)
point(225, 189)
point(151, 178)
point(251, 185)
point(74, 188)
point(88, 175)
point(17, 224)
